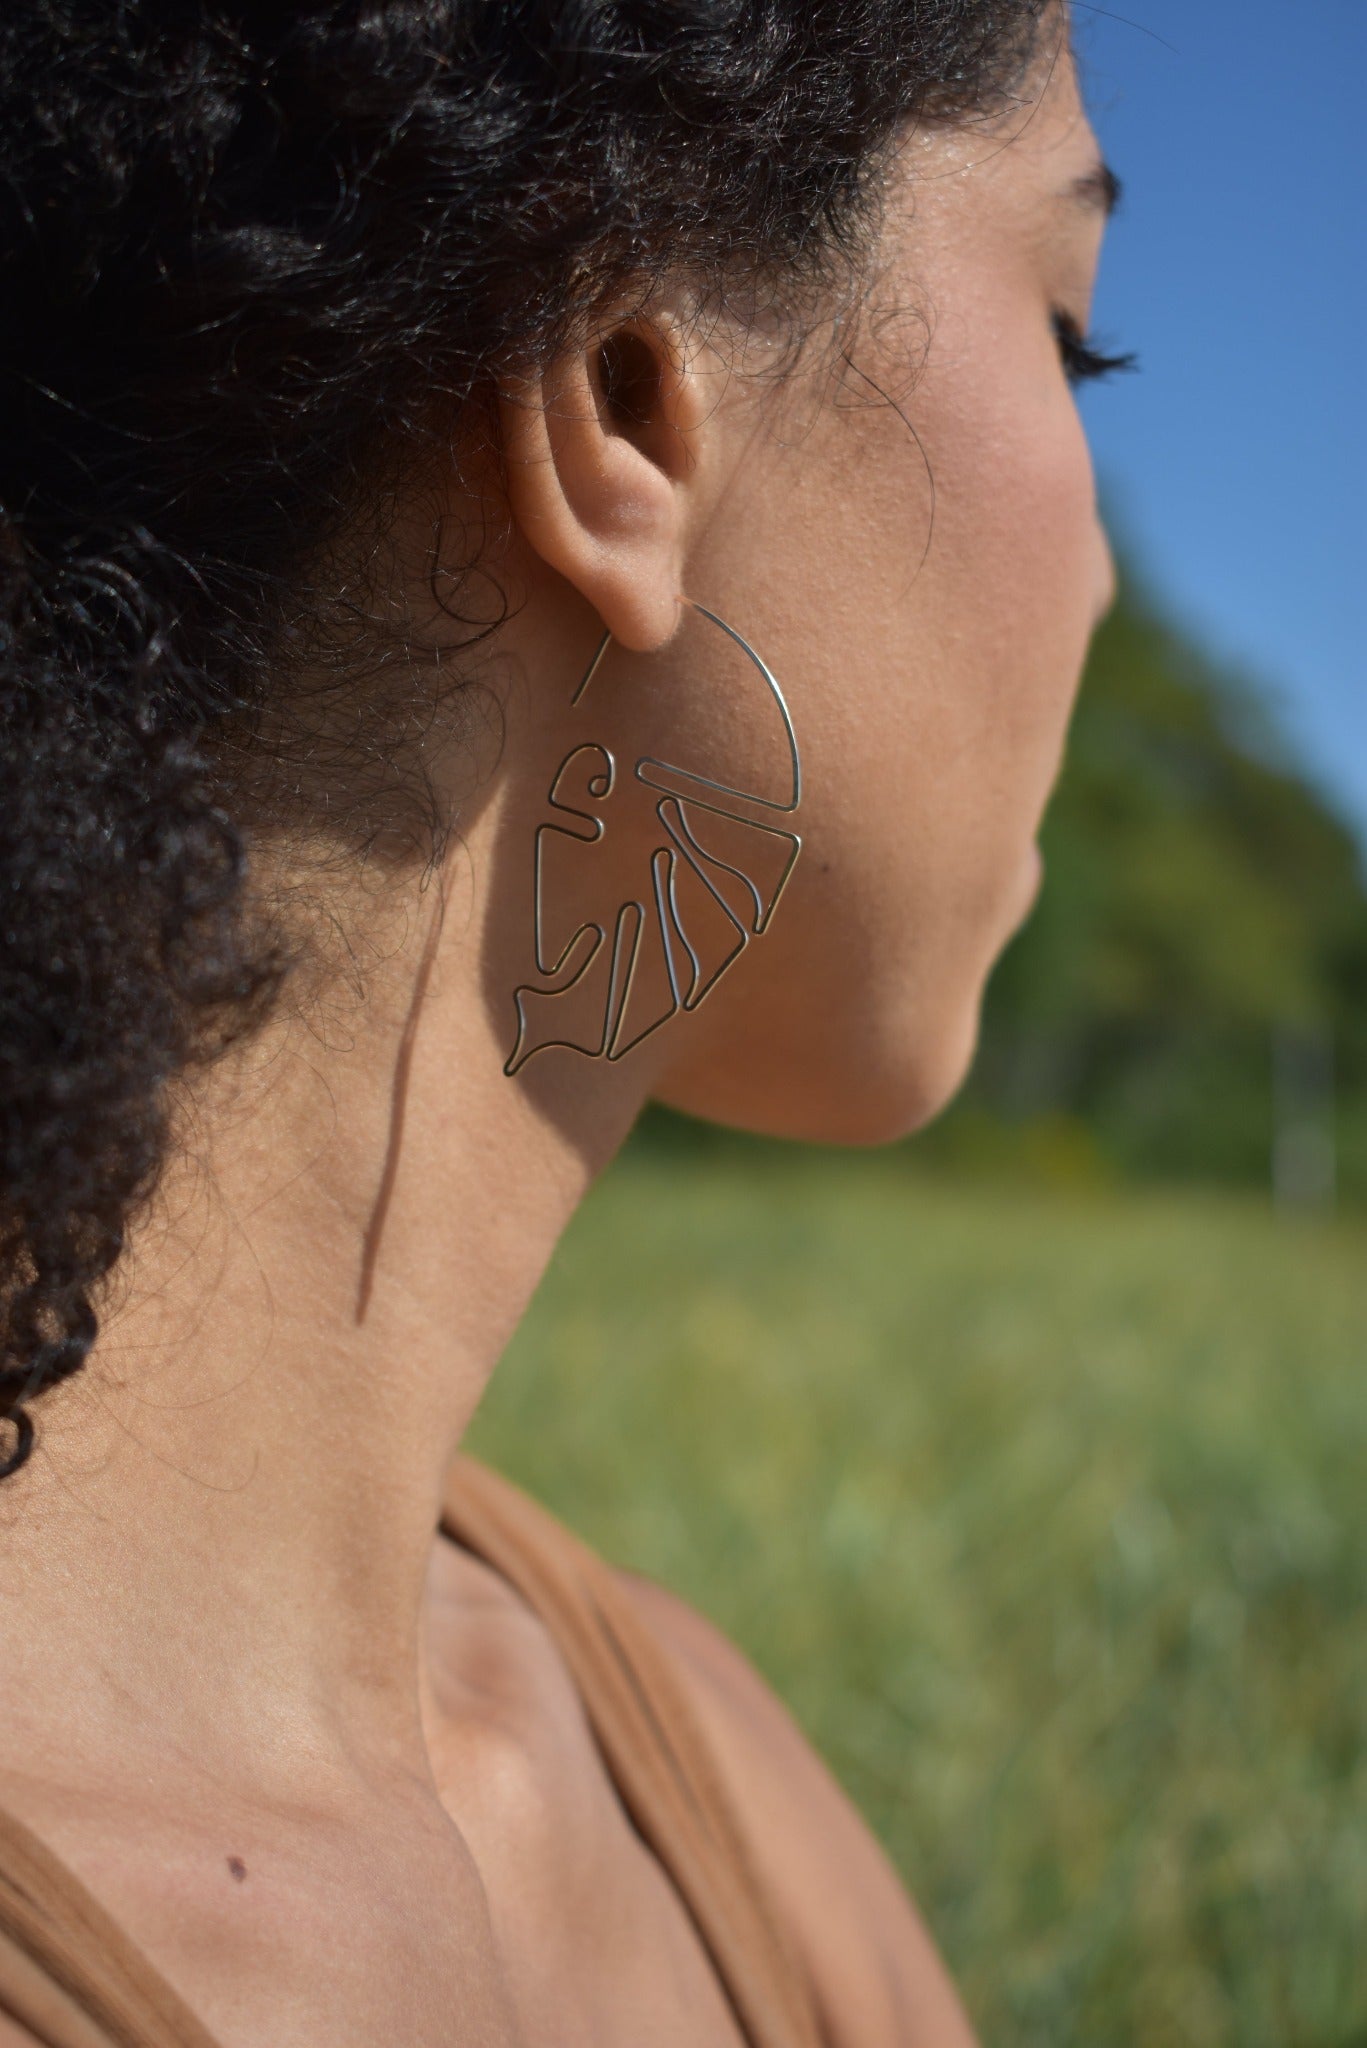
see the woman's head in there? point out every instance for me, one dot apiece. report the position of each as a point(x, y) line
point(904, 526)
point(357, 362)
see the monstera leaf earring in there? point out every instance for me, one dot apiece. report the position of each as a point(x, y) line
point(716, 871)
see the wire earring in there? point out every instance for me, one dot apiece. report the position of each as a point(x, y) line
point(716, 876)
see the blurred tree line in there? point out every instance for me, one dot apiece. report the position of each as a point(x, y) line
point(1194, 978)
point(1191, 991)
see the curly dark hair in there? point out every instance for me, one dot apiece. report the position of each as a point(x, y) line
point(254, 252)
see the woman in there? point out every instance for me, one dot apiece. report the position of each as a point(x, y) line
point(547, 551)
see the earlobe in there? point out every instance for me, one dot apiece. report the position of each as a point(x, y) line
point(600, 455)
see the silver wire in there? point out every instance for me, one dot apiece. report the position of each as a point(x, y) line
point(676, 786)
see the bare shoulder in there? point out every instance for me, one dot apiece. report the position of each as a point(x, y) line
point(878, 1977)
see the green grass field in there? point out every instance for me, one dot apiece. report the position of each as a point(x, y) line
point(1048, 1517)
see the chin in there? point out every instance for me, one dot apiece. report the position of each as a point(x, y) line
point(906, 1094)
point(880, 1090)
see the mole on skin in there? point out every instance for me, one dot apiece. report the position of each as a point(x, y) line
point(237, 1867)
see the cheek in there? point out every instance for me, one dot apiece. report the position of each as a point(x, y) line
point(992, 634)
point(930, 691)
point(1015, 560)
point(961, 660)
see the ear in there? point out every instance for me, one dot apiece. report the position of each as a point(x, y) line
point(598, 456)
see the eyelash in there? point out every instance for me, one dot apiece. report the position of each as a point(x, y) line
point(1082, 360)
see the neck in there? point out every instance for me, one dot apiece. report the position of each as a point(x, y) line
point(219, 1548)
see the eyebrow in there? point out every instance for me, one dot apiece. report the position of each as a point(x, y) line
point(1099, 187)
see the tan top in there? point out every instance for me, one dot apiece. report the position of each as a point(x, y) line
point(71, 1975)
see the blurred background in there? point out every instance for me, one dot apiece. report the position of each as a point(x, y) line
point(1028, 1460)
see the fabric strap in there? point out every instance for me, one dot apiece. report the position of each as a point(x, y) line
point(655, 1751)
point(68, 1972)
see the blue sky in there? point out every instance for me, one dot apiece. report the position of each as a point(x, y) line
point(1236, 462)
